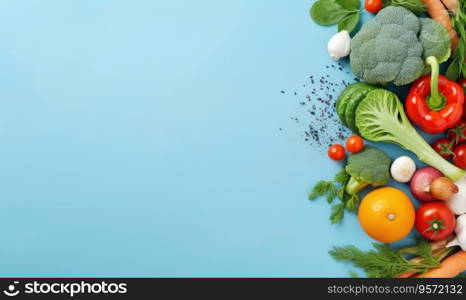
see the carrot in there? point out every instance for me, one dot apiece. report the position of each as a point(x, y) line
point(452, 5)
point(438, 251)
point(439, 13)
point(410, 273)
point(406, 275)
point(450, 267)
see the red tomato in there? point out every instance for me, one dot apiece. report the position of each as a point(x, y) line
point(459, 158)
point(373, 6)
point(354, 143)
point(444, 147)
point(336, 152)
point(458, 133)
point(435, 221)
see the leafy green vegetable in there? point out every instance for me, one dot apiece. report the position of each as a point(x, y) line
point(340, 177)
point(385, 261)
point(345, 13)
point(348, 101)
point(349, 4)
point(354, 274)
point(368, 167)
point(328, 187)
point(324, 188)
point(457, 67)
point(416, 6)
point(338, 211)
point(380, 117)
point(454, 70)
point(349, 23)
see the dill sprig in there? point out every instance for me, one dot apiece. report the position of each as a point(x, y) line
point(384, 261)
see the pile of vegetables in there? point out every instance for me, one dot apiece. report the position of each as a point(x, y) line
point(401, 46)
point(367, 167)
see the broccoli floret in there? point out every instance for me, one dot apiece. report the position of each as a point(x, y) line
point(389, 47)
point(435, 40)
point(368, 167)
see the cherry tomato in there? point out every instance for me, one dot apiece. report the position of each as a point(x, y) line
point(458, 133)
point(354, 143)
point(435, 221)
point(373, 6)
point(444, 147)
point(459, 158)
point(336, 152)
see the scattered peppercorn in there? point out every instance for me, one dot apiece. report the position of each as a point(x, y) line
point(321, 126)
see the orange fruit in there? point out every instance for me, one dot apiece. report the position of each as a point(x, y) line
point(386, 214)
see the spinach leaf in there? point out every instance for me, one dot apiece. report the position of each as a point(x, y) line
point(349, 23)
point(349, 4)
point(345, 13)
point(328, 12)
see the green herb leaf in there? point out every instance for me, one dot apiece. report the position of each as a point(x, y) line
point(321, 188)
point(379, 263)
point(328, 12)
point(453, 70)
point(338, 211)
point(332, 193)
point(341, 193)
point(334, 189)
point(384, 261)
point(352, 202)
point(349, 23)
point(354, 274)
point(341, 176)
point(423, 249)
point(349, 4)
point(457, 67)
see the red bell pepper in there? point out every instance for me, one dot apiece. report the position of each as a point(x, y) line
point(434, 102)
point(462, 82)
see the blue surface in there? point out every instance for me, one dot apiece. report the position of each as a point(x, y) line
point(141, 138)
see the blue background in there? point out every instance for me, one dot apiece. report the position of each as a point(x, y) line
point(141, 138)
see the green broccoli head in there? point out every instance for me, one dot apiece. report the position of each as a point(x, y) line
point(369, 167)
point(388, 47)
point(435, 40)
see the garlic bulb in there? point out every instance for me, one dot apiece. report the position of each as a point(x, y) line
point(339, 45)
point(402, 169)
point(457, 203)
point(460, 230)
